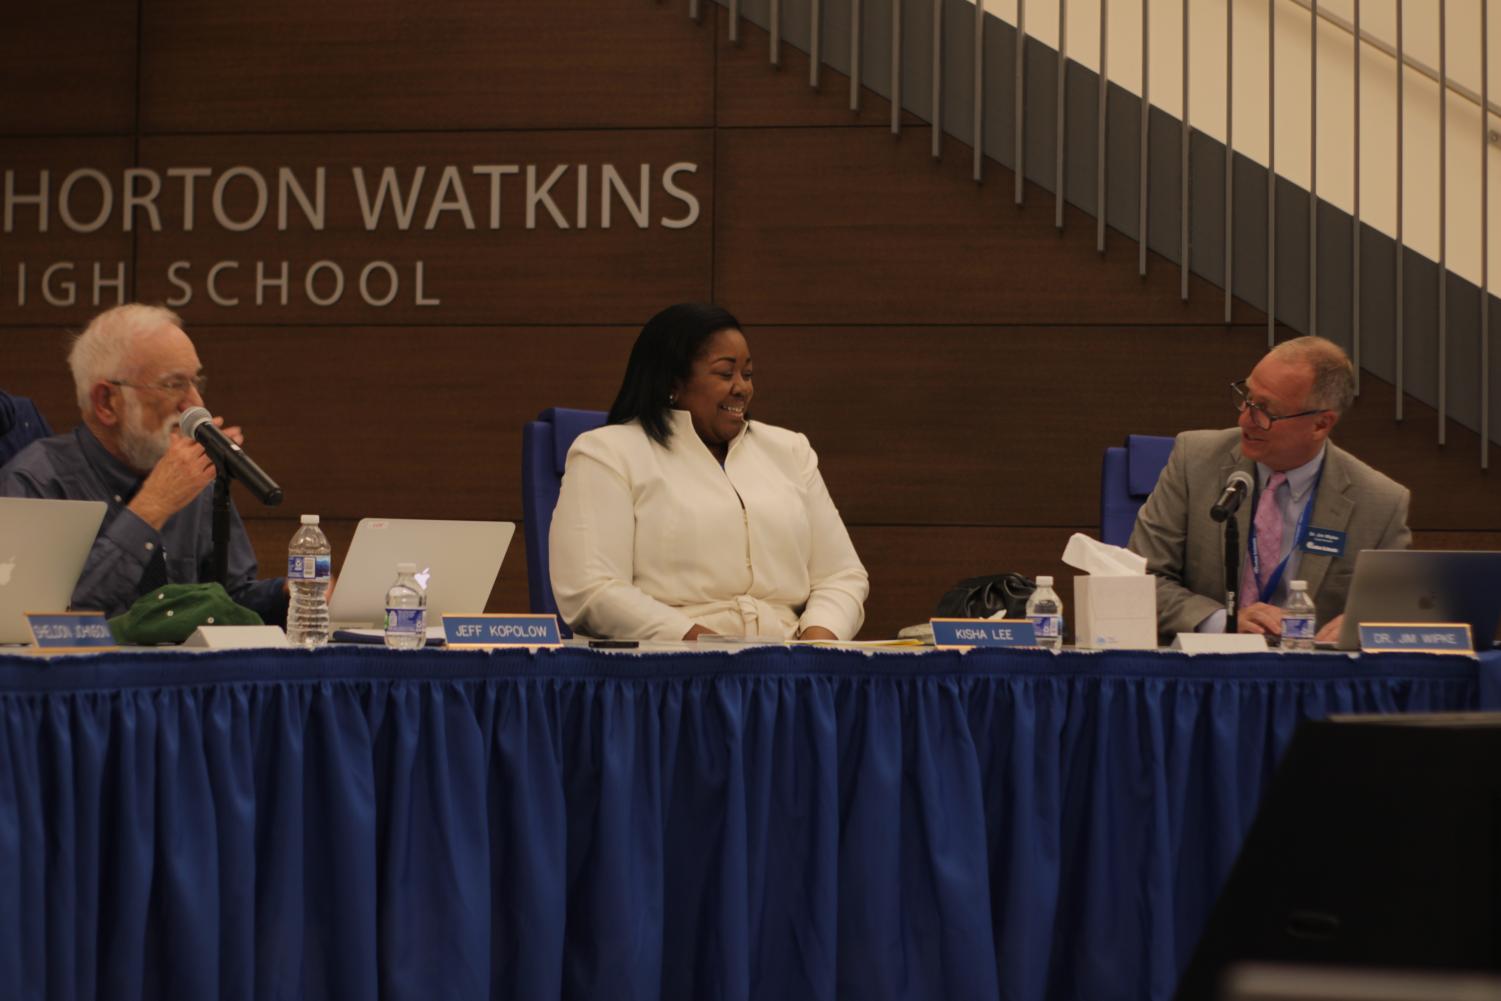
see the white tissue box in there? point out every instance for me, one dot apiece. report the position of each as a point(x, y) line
point(1115, 613)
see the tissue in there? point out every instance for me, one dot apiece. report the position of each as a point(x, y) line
point(1115, 600)
point(1100, 560)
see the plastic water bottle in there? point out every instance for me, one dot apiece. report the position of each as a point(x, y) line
point(406, 610)
point(1298, 617)
point(309, 567)
point(1045, 610)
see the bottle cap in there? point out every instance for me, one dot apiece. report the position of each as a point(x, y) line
point(406, 568)
point(310, 519)
point(1298, 585)
point(1044, 581)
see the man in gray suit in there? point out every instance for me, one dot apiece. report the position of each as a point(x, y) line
point(1315, 505)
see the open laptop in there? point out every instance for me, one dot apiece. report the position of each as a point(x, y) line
point(1424, 585)
point(43, 546)
point(457, 561)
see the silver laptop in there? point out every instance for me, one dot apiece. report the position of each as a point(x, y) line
point(1424, 585)
point(43, 546)
point(457, 561)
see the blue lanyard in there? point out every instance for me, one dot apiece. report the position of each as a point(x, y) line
point(1255, 553)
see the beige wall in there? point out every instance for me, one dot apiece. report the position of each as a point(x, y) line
point(1467, 155)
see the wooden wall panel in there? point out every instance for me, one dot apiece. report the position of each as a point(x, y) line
point(750, 92)
point(985, 425)
point(33, 363)
point(68, 67)
point(1450, 493)
point(853, 226)
point(23, 300)
point(402, 422)
point(1006, 425)
point(508, 274)
point(1457, 540)
point(282, 65)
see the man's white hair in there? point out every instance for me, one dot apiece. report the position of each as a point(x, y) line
point(103, 351)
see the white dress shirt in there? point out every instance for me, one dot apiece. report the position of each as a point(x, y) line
point(647, 541)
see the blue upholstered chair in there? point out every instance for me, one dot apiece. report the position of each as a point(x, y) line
point(1126, 478)
point(544, 447)
point(21, 423)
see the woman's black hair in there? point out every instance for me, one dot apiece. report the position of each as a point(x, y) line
point(661, 358)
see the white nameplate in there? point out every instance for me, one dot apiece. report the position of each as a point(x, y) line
point(1220, 643)
point(236, 637)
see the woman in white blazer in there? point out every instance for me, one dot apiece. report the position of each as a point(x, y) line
point(682, 516)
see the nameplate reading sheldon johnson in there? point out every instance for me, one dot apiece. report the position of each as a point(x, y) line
point(475, 632)
point(70, 630)
point(983, 632)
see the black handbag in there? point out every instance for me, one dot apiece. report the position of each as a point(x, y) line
point(982, 597)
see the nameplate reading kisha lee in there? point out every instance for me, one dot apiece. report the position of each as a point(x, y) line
point(1416, 637)
point(70, 630)
point(483, 632)
point(983, 632)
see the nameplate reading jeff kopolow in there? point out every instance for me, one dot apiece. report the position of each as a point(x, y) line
point(484, 632)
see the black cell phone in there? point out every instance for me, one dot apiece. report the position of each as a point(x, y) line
point(613, 644)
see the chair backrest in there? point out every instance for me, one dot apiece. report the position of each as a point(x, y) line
point(21, 423)
point(544, 449)
point(1127, 477)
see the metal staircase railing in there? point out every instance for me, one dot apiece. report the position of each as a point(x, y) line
point(1009, 70)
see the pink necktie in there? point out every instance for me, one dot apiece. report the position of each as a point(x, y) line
point(1268, 542)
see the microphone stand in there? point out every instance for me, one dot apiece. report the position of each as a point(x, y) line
point(221, 525)
point(1232, 574)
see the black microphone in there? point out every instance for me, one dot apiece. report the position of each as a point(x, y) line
point(198, 424)
point(1236, 488)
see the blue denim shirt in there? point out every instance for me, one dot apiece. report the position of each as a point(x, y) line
point(130, 557)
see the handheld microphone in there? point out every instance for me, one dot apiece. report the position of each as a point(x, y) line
point(198, 424)
point(1236, 488)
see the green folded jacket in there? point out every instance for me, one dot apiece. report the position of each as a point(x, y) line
point(170, 614)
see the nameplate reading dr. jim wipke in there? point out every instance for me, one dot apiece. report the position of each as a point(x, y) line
point(70, 630)
point(485, 632)
point(983, 632)
point(1416, 637)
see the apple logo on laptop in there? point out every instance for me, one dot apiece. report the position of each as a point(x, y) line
point(6, 569)
point(1427, 602)
point(423, 576)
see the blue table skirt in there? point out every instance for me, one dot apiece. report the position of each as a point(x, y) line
point(779, 824)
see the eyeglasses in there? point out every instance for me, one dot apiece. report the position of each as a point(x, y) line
point(1259, 415)
point(172, 385)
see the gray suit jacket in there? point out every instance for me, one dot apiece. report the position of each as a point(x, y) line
point(1185, 548)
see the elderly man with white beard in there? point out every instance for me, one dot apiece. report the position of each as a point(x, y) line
point(134, 372)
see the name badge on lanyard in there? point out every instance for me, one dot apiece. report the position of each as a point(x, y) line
point(1324, 542)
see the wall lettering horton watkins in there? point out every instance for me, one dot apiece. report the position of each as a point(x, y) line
point(303, 222)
